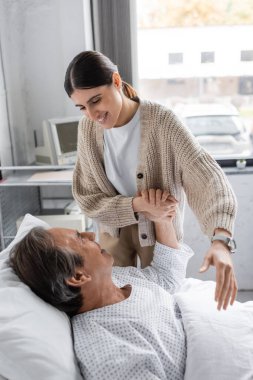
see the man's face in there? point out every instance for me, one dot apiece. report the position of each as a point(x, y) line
point(95, 258)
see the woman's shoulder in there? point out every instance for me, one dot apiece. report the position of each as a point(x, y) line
point(154, 106)
point(159, 115)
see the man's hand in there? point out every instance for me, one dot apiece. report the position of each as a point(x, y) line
point(157, 204)
point(219, 256)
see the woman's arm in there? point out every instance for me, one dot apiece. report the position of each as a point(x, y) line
point(207, 188)
point(213, 201)
point(106, 206)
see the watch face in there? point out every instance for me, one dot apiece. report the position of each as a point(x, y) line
point(232, 244)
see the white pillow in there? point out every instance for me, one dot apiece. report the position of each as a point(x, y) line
point(219, 343)
point(36, 340)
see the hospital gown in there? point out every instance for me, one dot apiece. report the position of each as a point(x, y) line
point(142, 337)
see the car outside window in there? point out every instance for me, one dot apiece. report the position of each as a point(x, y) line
point(212, 70)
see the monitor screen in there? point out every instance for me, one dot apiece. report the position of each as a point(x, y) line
point(60, 141)
point(67, 135)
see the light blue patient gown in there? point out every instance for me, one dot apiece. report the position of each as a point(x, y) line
point(142, 337)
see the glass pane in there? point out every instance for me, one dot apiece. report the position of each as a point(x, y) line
point(196, 59)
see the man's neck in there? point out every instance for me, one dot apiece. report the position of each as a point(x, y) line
point(95, 297)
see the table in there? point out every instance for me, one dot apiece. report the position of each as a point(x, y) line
point(20, 195)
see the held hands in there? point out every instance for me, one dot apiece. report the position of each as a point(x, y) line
point(157, 204)
point(218, 255)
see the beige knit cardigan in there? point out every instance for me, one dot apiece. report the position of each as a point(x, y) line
point(169, 158)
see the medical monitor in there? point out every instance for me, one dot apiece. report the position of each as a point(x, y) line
point(60, 142)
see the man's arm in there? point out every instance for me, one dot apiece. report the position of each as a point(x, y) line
point(168, 267)
point(165, 233)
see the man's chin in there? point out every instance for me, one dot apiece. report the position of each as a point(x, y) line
point(105, 253)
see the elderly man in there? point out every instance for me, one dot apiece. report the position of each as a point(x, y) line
point(126, 323)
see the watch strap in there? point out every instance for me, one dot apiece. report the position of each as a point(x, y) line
point(230, 243)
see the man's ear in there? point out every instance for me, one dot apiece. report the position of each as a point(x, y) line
point(79, 279)
point(116, 80)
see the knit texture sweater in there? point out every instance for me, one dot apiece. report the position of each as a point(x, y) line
point(170, 158)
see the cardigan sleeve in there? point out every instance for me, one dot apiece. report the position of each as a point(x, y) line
point(207, 188)
point(92, 190)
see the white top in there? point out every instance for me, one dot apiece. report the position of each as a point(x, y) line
point(121, 146)
point(141, 337)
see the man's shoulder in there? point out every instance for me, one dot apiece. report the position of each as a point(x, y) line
point(121, 275)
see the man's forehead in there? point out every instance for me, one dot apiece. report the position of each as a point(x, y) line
point(65, 234)
point(62, 233)
point(57, 230)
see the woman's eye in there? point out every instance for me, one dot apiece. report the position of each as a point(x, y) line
point(96, 100)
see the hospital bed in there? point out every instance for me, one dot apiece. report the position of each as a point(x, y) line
point(36, 339)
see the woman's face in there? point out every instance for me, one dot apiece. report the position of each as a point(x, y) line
point(101, 104)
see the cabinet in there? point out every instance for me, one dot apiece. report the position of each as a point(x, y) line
point(25, 189)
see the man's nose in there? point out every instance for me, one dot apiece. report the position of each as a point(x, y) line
point(89, 235)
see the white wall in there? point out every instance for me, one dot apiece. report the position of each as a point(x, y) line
point(5, 141)
point(39, 38)
point(243, 258)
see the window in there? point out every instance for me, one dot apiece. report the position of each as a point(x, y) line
point(207, 57)
point(246, 55)
point(246, 86)
point(175, 58)
point(188, 56)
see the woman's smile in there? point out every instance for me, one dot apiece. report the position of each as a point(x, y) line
point(102, 118)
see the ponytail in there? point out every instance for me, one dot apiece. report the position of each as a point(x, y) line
point(129, 91)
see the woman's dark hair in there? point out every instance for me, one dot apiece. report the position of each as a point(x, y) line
point(91, 69)
point(44, 267)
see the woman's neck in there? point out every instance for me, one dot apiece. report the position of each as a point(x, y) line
point(129, 108)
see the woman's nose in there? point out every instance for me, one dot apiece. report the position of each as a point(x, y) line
point(90, 114)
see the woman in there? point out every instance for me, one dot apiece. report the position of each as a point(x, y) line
point(127, 146)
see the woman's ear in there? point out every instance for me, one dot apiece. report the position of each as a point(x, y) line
point(79, 279)
point(116, 80)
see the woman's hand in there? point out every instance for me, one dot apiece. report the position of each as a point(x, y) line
point(226, 286)
point(155, 204)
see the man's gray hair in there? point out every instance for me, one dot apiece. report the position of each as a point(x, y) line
point(45, 267)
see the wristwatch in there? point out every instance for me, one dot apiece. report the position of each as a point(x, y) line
point(230, 243)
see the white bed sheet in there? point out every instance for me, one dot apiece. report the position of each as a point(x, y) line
point(219, 343)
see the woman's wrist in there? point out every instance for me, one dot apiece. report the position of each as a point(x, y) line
point(222, 231)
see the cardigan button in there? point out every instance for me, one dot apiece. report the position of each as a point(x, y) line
point(139, 175)
point(144, 236)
